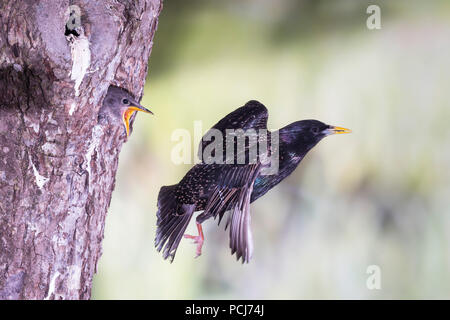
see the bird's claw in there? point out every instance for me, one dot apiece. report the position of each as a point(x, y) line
point(197, 240)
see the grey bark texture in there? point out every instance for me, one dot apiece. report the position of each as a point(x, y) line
point(57, 162)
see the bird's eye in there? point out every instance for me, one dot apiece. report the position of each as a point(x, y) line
point(125, 101)
point(315, 130)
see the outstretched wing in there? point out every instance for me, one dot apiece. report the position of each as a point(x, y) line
point(233, 190)
point(253, 115)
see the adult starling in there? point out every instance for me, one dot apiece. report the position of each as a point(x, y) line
point(121, 105)
point(217, 188)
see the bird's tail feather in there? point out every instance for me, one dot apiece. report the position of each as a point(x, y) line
point(172, 221)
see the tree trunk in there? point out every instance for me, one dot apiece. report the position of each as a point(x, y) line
point(57, 162)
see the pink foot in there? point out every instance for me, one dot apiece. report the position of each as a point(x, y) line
point(197, 239)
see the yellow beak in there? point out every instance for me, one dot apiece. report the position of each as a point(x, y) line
point(338, 130)
point(128, 113)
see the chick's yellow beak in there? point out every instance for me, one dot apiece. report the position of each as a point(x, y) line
point(128, 113)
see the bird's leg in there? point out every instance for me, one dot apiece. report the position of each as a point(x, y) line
point(197, 239)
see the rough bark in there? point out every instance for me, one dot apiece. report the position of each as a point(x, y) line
point(57, 162)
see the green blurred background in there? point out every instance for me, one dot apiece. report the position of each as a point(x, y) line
point(379, 196)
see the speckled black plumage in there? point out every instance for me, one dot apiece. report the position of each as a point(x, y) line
point(218, 188)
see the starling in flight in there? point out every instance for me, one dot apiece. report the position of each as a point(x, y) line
point(216, 188)
point(121, 105)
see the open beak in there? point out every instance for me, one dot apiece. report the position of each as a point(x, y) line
point(337, 130)
point(129, 112)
